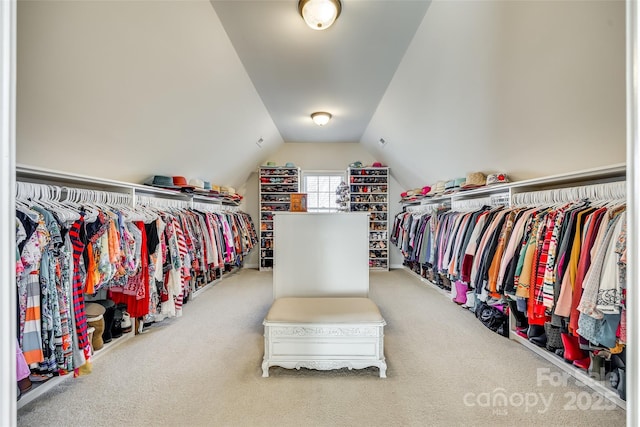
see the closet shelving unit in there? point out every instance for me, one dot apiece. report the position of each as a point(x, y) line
point(36, 175)
point(369, 192)
point(503, 194)
point(277, 183)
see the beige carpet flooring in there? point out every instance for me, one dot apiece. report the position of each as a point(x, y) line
point(444, 369)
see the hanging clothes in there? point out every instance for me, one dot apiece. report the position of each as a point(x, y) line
point(66, 251)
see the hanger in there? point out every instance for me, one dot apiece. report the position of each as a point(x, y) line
point(52, 202)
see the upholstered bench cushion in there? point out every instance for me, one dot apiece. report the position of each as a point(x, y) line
point(324, 310)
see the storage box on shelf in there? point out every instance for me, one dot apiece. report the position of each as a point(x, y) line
point(276, 186)
point(369, 192)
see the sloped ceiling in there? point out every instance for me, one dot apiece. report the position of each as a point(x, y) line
point(344, 70)
point(529, 88)
point(129, 89)
point(190, 87)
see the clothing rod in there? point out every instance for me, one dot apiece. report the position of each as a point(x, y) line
point(207, 207)
point(595, 192)
point(81, 195)
point(470, 204)
point(434, 207)
point(28, 190)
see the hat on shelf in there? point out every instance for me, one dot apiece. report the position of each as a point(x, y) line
point(457, 183)
point(161, 181)
point(438, 188)
point(377, 165)
point(289, 165)
point(270, 164)
point(225, 190)
point(207, 185)
point(181, 181)
point(425, 190)
point(198, 185)
point(474, 180)
point(497, 178)
point(449, 186)
point(403, 194)
point(215, 188)
point(432, 192)
point(357, 164)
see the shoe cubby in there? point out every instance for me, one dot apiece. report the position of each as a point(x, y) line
point(277, 183)
point(369, 192)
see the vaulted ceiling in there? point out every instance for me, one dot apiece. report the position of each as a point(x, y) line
point(129, 89)
point(344, 70)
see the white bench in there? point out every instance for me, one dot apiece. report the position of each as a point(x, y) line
point(324, 333)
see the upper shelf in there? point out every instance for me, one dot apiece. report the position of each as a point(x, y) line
point(34, 174)
point(616, 172)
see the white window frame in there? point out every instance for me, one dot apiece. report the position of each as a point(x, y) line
point(307, 173)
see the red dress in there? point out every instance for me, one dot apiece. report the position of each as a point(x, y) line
point(138, 301)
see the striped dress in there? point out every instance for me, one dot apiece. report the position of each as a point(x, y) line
point(78, 288)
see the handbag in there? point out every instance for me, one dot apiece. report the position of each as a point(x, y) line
point(493, 318)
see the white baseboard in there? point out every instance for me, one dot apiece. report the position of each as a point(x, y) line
point(396, 266)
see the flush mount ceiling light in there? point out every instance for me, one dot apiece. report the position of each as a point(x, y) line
point(320, 118)
point(319, 14)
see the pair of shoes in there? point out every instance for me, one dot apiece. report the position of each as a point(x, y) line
point(24, 385)
point(126, 324)
point(583, 363)
point(40, 378)
point(118, 317)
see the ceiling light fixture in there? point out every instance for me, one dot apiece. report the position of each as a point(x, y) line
point(320, 118)
point(319, 14)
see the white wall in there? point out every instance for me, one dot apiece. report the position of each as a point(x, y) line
point(530, 88)
point(325, 156)
point(129, 89)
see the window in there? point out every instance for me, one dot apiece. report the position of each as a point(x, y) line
point(321, 190)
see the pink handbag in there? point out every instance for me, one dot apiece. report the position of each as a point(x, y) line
point(461, 292)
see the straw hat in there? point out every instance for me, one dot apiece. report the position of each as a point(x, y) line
point(474, 180)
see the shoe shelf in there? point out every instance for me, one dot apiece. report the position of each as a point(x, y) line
point(369, 192)
point(276, 186)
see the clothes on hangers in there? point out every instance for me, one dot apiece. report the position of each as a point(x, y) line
point(151, 267)
point(542, 257)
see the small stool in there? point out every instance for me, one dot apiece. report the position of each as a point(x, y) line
point(95, 319)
